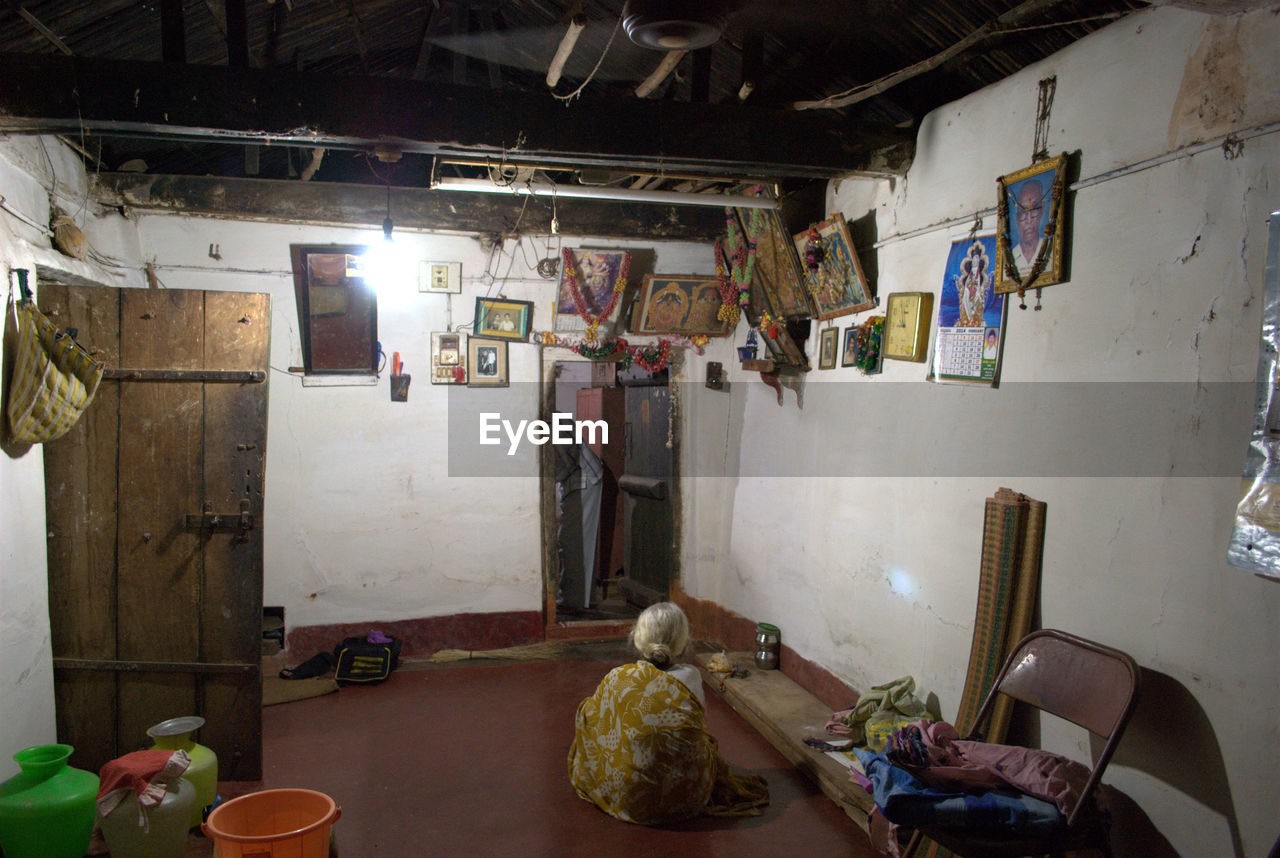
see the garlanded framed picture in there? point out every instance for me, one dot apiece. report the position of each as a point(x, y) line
point(488, 362)
point(500, 318)
point(828, 341)
point(592, 287)
point(1031, 228)
point(679, 304)
point(832, 272)
point(777, 266)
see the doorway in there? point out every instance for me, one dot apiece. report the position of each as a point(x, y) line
point(609, 528)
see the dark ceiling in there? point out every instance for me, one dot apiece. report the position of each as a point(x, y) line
point(396, 92)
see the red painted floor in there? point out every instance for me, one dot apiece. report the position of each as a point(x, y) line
point(469, 760)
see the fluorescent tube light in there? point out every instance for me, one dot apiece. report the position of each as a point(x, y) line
point(622, 195)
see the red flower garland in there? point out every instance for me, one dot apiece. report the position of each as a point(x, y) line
point(579, 304)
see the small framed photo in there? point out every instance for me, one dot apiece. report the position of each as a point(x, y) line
point(1030, 226)
point(502, 319)
point(679, 304)
point(832, 271)
point(488, 362)
point(849, 354)
point(828, 341)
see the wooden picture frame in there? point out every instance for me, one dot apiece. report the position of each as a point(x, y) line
point(1031, 204)
point(838, 286)
point(597, 275)
point(487, 362)
point(778, 269)
point(337, 309)
point(682, 304)
point(828, 340)
point(503, 319)
point(849, 352)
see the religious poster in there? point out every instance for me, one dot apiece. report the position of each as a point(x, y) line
point(592, 283)
point(971, 315)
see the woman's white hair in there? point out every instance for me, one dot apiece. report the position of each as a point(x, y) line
point(661, 633)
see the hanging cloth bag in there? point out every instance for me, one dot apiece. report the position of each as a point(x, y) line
point(54, 379)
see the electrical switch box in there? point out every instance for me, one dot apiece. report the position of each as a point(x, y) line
point(448, 357)
point(444, 277)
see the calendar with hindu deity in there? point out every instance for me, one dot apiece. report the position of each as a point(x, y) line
point(971, 316)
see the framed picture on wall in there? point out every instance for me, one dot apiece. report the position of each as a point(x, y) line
point(832, 272)
point(502, 319)
point(777, 266)
point(828, 341)
point(679, 304)
point(1030, 226)
point(592, 283)
point(488, 362)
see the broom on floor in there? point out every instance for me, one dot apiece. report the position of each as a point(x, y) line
point(524, 652)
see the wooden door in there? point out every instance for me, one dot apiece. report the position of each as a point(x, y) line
point(154, 510)
point(648, 489)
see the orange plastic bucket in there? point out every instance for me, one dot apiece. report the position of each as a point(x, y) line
point(274, 823)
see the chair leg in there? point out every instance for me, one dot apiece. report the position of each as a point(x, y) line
point(913, 844)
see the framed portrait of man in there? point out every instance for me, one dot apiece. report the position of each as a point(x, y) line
point(1031, 234)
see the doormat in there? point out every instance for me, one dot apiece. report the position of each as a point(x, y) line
point(276, 690)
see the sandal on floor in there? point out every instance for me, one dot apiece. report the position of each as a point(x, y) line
point(318, 665)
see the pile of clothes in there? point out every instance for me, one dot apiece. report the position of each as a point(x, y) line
point(927, 776)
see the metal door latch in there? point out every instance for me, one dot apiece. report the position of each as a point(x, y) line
point(209, 521)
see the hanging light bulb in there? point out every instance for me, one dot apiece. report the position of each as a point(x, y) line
point(385, 262)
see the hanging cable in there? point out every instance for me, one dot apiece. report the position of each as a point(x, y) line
point(568, 99)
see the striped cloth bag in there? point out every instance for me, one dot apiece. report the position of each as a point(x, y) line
point(54, 379)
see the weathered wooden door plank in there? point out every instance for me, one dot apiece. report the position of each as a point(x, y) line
point(237, 329)
point(161, 437)
point(80, 501)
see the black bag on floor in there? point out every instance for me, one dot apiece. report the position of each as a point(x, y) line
point(362, 663)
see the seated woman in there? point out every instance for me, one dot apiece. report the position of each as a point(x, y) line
point(641, 751)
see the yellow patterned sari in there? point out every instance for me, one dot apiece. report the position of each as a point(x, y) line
point(641, 752)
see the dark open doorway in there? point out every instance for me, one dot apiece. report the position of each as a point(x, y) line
point(607, 504)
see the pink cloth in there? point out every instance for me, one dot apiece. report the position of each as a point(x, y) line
point(961, 764)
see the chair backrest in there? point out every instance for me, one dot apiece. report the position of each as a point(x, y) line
point(1088, 684)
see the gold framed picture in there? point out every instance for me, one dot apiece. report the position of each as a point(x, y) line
point(828, 342)
point(487, 360)
point(679, 304)
point(1031, 228)
point(501, 319)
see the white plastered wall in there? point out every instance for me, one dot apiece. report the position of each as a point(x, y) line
point(852, 535)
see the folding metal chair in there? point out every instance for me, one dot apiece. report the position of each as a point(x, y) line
point(1088, 684)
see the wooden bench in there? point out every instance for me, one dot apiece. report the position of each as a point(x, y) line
point(785, 714)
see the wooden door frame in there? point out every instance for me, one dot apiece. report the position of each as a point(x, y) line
point(555, 629)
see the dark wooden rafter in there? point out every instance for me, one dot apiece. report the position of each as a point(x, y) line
point(50, 94)
point(173, 36)
point(40, 27)
point(414, 208)
point(237, 34)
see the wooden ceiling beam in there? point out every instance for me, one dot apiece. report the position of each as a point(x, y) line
point(411, 208)
point(52, 94)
